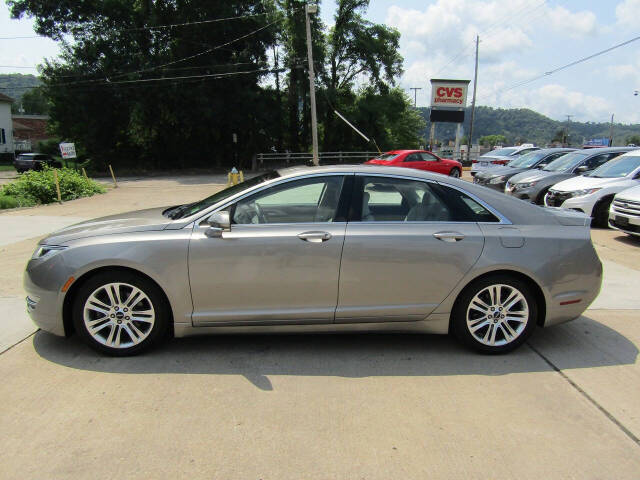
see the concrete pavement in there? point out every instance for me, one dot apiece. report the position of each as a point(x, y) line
point(318, 406)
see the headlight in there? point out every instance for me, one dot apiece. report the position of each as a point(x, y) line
point(47, 251)
point(497, 179)
point(586, 191)
point(525, 185)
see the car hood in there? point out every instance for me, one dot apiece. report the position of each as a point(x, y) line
point(582, 182)
point(137, 221)
point(498, 172)
point(533, 176)
point(632, 194)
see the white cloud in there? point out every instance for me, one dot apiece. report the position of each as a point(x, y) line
point(627, 13)
point(556, 101)
point(578, 24)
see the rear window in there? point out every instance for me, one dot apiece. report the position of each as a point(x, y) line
point(387, 157)
point(504, 152)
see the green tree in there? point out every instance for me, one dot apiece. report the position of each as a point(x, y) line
point(492, 140)
point(356, 47)
point(34, 102)
point(634, 139)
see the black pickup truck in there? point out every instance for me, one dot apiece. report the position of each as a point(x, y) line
point(34, 161)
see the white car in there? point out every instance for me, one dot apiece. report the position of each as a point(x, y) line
point(624, 213)
point(593, 193)
point(500, 157)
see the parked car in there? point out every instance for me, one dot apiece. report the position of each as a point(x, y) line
point(34, 161)
point(420, 160)
point(496, 178)
point(342, 248)
point(624, 214)
point(533, 185)
point(499, 157)
point(592, 193)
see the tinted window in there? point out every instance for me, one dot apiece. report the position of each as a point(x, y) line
point(414, 157)
point(300, 201)
point(597, 160)
point(620, 167)
point(192, 208)
point(566, 162)
point(427, 157)
point(392, 199)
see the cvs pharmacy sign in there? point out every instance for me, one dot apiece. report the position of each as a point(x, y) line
point(449, 93)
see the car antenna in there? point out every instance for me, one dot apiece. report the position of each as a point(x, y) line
point(357, 131)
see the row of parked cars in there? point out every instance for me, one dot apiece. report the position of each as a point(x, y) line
point(603, 183)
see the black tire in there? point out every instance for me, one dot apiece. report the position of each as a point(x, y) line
point(460, 324)
point(455, 173)
point(601, 213)
point(540, 197)
point(153, 334)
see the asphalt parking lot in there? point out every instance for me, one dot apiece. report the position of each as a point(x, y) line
point(565, 405)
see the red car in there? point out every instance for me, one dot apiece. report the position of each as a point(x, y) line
point(420, 160)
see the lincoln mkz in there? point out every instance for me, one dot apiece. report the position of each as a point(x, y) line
point(326, 249)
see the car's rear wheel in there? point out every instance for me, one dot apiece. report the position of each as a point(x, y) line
point(120, 313)
point(495, 314)
point(455, 173)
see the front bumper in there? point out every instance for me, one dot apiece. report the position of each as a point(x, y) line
point(529, 194)
point(624, 215)
point(44, 298)
point(485, 182)
point(582, 204)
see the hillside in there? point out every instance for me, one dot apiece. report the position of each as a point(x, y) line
point(16, 84)
point(524, 125)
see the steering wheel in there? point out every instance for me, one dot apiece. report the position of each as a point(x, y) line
point(261, 216)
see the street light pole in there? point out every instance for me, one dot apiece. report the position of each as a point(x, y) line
point(312, 84)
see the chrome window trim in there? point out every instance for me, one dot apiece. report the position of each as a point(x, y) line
point(214, 208)
point(502, 220)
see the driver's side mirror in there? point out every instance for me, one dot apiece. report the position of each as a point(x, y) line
point(581, 169)
point(218, 222)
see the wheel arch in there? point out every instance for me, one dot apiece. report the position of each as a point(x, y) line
point(536, 290)
point(75, 287)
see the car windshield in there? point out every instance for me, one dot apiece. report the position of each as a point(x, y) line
point(501, 152)
point(565, 162)
point(387, 157)
point(527, 160)
point(188, 209)
point(620, 167)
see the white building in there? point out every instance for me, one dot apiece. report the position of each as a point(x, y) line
point(6, 125)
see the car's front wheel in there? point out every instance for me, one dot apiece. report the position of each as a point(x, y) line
point(455, 173)
point(120, 313)
point(495, 314)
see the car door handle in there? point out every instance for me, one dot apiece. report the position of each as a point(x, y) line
point(314, 237)
point(450, 237)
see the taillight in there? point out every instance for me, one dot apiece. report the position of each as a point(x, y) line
point(499, 162)
point(474, 161)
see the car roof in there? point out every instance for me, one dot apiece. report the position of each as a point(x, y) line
point(597, 151)
point(360, 168)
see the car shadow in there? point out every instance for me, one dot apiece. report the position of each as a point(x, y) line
point(578, 344)
point(628, 240)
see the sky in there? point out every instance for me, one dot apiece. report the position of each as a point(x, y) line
point(519, 40)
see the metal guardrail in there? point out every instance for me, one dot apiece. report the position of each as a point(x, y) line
point(326, 158)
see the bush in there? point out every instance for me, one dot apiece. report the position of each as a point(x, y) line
point(40, 187)
point(14, 202)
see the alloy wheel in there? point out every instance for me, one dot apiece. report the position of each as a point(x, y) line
point(118, 315)
point(497, 315)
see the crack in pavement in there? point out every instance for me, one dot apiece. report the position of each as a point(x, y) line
point(582, 392)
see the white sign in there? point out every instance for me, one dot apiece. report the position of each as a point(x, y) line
point(68, 150)
point(449, 93)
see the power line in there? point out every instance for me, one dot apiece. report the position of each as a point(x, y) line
point(576, 62)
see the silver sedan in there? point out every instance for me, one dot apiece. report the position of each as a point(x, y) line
point(349, 248)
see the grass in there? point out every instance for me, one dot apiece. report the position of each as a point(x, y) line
point(7, 168)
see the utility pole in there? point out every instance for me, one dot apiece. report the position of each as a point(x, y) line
point(310, 8)
point(611, 131)
point(566, 131)
point(415, 95)
point(473, 102)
